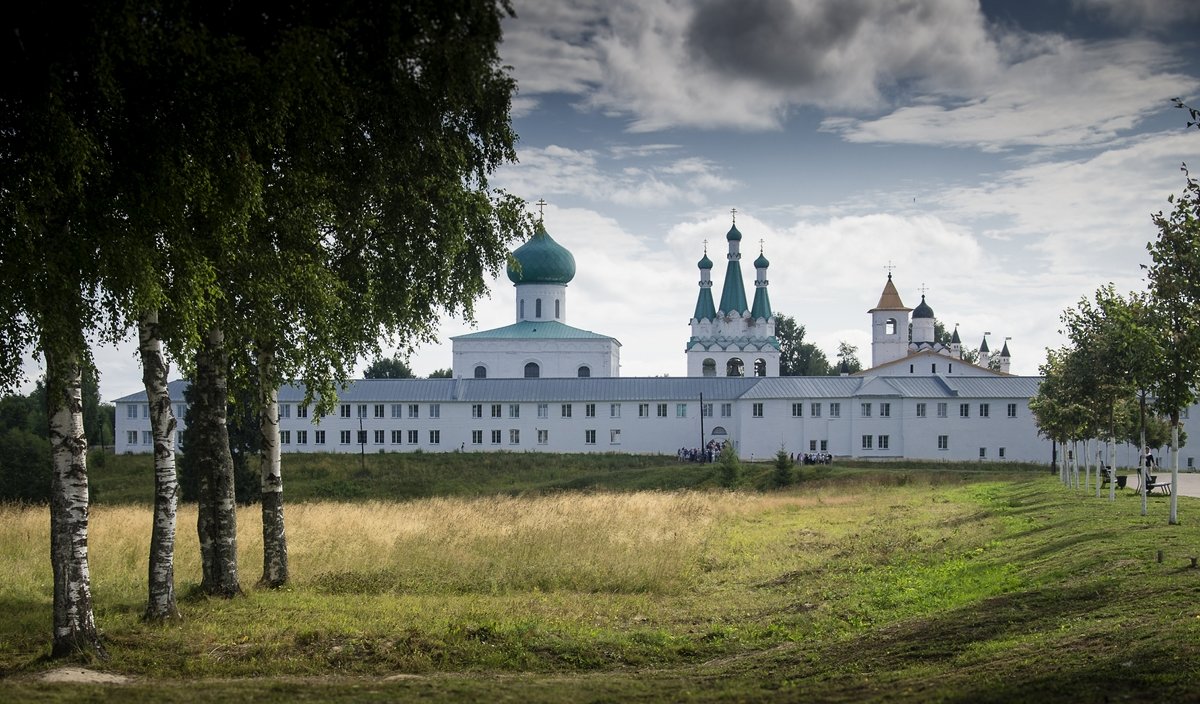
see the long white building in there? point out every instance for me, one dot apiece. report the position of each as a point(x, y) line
point(540, 385)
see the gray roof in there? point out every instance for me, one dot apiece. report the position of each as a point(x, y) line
point(534, 330)
point(657, 389)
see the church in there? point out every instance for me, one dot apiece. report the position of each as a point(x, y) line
point(541, 385)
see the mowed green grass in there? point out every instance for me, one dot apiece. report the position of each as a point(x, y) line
point(865, 586)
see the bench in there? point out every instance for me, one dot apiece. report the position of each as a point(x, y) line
point(1120, 479)
point(1152, 484)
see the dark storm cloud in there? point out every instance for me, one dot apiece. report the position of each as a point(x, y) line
point(774, 41)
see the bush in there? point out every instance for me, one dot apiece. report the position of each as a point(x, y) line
point(783, 469)
point(24, 467)
point(729, 468)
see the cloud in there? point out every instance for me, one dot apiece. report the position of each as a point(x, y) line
point(1066, 94)
point(1149, 14)
point(623, 175)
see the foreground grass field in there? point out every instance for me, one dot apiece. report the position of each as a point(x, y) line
point(899, 586)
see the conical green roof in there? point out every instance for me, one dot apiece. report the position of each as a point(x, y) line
point(543, 261)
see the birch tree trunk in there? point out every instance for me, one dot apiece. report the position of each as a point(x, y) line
point(1174, 519)
point(275, 563)
point(216, 522)
point(161, 604)
point(74, 621)
point(1143, 470)
point(1110, 448)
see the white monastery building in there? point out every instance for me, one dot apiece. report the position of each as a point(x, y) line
point(541, 385)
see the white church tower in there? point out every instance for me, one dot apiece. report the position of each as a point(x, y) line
point(889, 326)
point(735, 338)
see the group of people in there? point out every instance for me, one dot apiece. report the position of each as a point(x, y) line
point(812, 457)
point(708, 453)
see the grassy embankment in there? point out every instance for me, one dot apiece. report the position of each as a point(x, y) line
point(870, 586)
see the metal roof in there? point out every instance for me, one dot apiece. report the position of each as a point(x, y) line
point(534, 330)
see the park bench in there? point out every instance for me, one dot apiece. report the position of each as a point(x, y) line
point(1109, 476)
point(1152, 485)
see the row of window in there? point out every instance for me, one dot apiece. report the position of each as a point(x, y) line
point(566, 410)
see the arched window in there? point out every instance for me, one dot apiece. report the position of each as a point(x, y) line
point(708, 367)
point(557, 309)
point(532, 370)
point(522, 313)
point(760, 367)
point(584, 371)
point(889, 328)
point(537, 308)
point(719, 430)
point(480, 372)
point(734, 367)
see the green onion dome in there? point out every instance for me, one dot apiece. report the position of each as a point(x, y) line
point(705, 263)
point(922, 310)
point(761, 262)
point(543, 261)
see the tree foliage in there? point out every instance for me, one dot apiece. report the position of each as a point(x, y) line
point(797, 357)
point(389, 368)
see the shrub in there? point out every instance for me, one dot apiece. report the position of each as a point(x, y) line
point(24, 467)
point(729, 468)
point(783, 469)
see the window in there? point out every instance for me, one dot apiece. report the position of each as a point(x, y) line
point(614, 410)
point(344, 437)
point(589, 437)
point(379, 435)
point(885, 410)
point(477, 410)
point(179, 439)
point(514, 410)
point(344, 410)
point(557, 308)
point(1191, 462)
point(835, 410)
point(866, 442)
point(982, 452)
point(514, 437)
point(933, 369)
point(362, 410)
point(133, 411)
point(543, 410)
point(496, 410)
point(397, 410)
point(584, 372)
point(131, 435)
point(414, 410)
point(1001, 451)
point(884, 441)
point(812, 445)
point(522, 306)
point(379, 408)
point(681, 410)
point(145, 410)
point(397, 437)
point(643, 410)
point(726, 410)
point(824, 446)
point(495, 437)
point(964, 410)
point(920, 410)
point(589, 410)
point(614, 436)
point(362, 437)
point(889, 327)
point(301, 437)
point(285, 410)
point(532, 370)
point(476, 437)
point(181, 411)
point(866, 410)
point(797, 410)
point(815, 410)
point(706, 410)
point(566, 410)
point(661, 410)
point(543, 437)
point(943, 442)
point(480, 372)
point(319, 437)
point(412, 437)
point(984, 410)
point(756, 410)
point(910, 369)
point(1012, 410)
point(435, 437)
point(435, 410)
point(941, 409)
point(537, 308)
point(147, 437)
point(301, 410)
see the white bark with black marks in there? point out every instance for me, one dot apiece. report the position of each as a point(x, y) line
point(275, 562)
point(216, 521)
point(74, 621)
point(1174, 519)
point(161, 605)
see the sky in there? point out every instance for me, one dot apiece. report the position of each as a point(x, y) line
point(1004, 157)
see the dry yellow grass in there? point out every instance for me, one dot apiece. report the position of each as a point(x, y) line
point(633, 542)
